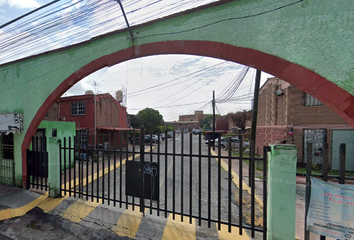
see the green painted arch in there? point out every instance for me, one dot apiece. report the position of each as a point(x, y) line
point(278, 37)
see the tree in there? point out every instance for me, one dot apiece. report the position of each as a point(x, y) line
point(149, 119)
point(207, 120)
point(240, 119)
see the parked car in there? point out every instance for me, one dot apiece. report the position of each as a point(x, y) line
point(235, 143)
point(197, 131)
point(162, 136)
point(151, 138)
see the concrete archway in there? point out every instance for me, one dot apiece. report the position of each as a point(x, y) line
point(307, 43)
point(297, 75)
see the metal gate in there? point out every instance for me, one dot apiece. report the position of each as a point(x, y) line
point(181, 175)
point(37, 164)
point(7, 163)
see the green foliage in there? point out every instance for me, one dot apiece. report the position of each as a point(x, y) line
point(149, 119)
point(206, 120)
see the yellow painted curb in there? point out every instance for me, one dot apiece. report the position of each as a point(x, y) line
point(17, 212)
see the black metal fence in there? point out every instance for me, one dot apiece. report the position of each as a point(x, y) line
point(178, 175)
point(339, 177)
point(37, 164)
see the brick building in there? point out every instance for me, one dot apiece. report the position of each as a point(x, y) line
point(188, 122)
point(288, 115)
point(109, 114)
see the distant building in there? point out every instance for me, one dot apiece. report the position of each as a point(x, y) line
point(110, 115)
point(187, 122)
point(286, 114)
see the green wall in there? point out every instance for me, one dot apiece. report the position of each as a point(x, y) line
point(315, 34)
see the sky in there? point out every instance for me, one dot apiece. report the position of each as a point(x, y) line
point(172, 84)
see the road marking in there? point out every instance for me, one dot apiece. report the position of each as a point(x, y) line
point(79, 210)
point(176, 229)
point(50, 203)
point(236, 178)
point(17, 212)
point(128, 223)
point(234, 235)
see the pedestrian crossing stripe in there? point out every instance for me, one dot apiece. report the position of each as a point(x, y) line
point(79, 210)
point(128, 223)
point(176, 229)
point(224, 233)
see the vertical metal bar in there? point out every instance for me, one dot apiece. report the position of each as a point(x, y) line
point(151, 140)
point(229, 187)
point(33, 160)
point(115, 166)
point(240, 169)
point(46, 165)
point(109, 167)
point(126, 157)
point(219, 183)
point(166, 163)
point(190, 176)
point(200, 181)
point(308, 186)
point(158, 164)
point(126, 196)
point(65, 190)
point(60, 171)
point(174, 176)
point(252, 177)
point(77, 141)
point(103, 166)
point(97, 136)
point(120, 167)
point(209, 181)
point(40, 161)
point(37, 163)
point(325, 162)
point(265, 203)
point(182, 166)
point(81, 157)
point(92, 167)
point(87, 169)
point(342, 152)
point(70, 187)
point(73, 150)
point(142, 152)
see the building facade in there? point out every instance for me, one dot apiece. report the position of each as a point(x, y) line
point(93, 114)
point(288, 115)
point(186, 123)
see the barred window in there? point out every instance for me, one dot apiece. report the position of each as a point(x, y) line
point(78, 108)
point(311, 101)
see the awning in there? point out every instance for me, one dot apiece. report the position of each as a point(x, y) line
point(11, 123)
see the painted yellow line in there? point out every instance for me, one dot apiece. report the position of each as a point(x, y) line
point(176, 229)
point(234, 235)
point(236, 181)
point(128, 223)
point(75, 182)
point(50, 203)
point(79, 210)
point(17, 212)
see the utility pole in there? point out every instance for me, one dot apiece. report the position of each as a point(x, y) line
point(254, 124)
point(213, 104)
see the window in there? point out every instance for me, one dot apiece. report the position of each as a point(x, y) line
point(311, 101)
point(54, 132)
point(78, 108)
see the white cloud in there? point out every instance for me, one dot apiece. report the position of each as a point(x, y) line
point(20, 4)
